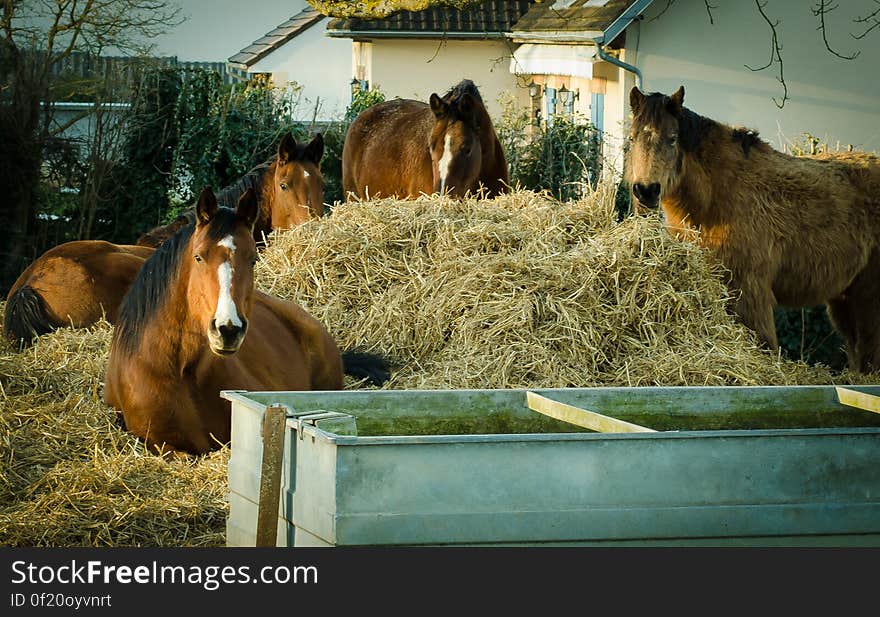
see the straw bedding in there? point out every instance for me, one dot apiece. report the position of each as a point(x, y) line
point(521, 291)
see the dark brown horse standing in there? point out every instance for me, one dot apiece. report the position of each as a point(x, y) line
point(797, 231)
point(192, 325)
point(404, 147)
point(289, 189)
point(72, 284)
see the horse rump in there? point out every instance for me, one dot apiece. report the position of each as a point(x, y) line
point(359, 364)
point(26, 318)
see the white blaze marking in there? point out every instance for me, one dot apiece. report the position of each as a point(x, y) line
point(445, 162)
point(226, 312)
point(228, 242)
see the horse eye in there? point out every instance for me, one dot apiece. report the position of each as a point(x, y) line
point(672, 140)
point(283, 186)
point(198, 258)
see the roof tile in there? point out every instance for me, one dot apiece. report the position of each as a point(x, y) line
point(276, 38)
point(492, 17)
point(578, 16)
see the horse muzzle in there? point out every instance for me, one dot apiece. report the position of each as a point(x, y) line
point(225, 340)
point(648, 195)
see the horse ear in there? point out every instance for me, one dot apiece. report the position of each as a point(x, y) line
point(676, 100)
point(206, 207)
point(636, 98)
point(438, 105)
point(286, 148)
point(247, 209)
point(315, 149)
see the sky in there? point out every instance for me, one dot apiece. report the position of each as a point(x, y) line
point(214, 30)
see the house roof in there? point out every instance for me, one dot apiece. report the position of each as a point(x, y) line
point(271, 41)
point(566, 21)
point(493, 19)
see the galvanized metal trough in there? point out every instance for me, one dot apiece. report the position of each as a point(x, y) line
point(727, 465)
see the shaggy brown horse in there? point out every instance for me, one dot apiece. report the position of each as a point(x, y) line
point(404, 147)
point(72, 284)
point(289, 189)
point(797, 231)
point(192, 325)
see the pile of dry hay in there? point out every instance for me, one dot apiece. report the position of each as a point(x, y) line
point(517, 292)
point(521, 292)
point(71, 476)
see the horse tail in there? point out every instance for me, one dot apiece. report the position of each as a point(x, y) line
point(26, 317)
point(365, 365)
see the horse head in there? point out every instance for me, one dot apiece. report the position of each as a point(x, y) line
point(298, 187)
point(656, 146)
point(456, 150)
point(221, 275)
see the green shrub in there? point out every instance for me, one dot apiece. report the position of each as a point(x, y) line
point(562, 158)
point(225, 131)
point(150, 141)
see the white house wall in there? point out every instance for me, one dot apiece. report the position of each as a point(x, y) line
point(320, 64)
point(414, 69)
point(833, 99)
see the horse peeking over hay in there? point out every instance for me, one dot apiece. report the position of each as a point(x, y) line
point(192, 324)
point(794, 231)
point(404, 148)
point(289, 189)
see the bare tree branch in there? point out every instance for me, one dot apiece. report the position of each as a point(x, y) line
point(775, 54)
point(824, 7)
point(872, 18)
point(709, 8)
point(669, 3)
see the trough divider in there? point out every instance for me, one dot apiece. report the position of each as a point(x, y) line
point(859, 400)
point(581, 417)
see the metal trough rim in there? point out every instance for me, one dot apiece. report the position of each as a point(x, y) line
point(243, 397)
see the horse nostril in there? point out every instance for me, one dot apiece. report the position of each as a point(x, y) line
point(638, 190)
point(229, 333)
point(647, 194)
point(213, 325)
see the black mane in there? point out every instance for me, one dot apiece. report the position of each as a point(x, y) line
point(747, 139)
point(228, 197)
point(150, 287)
point(465, 86)
point(692, 127)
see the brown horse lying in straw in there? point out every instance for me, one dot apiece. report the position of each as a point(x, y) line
point(289, 189)
point(72, 284)
point(192, 325)
point(798, 231)
point(404, 147)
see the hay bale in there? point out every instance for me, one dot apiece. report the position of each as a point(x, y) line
point(521, 292)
